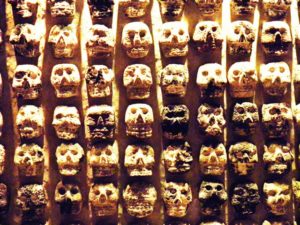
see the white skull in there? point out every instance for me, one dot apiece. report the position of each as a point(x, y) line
point(172, 8)
point(208, 7)
point(29, 158)
point(68, 158)
point(134, 8)
point(2, 159)
point(276, 8)
point(65, 79)
point(174, 38)
point(63, 40)
point(27, 82)
point(100, 10)
point(243, 7)
point(275, 78)
point(24, 8)
point(66, 121)
point(137, 79)
point(139, 119)
point(62, 8)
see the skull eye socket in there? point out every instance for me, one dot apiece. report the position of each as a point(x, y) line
point(240, 110)
point(167, 33)
point(236, 72)
point(131, 34)
point(97, 192)
point(63, 151)
point(100, 33)
point(251, 72)
point(28, 31)
point(21, 153)
point(172, 190)
point(69, 71)
point(208, 187)
point(108, 152)
point(142, 33)
point(282, 30)
point(247, 31)
point(32, 75)
point(251, 109)
point(214, 29)
point(108, 192)
point(181, 32)
point(66, 33)
point(219, 188)
point(133, 110)
point(217, 112)
point(274, 111)
point(59, 72)
point(285, 192)
point(206, 152)
point(74, 190)
point(202, 28)
point(32, 153)
point(239, 191)
point(281, 69)
point(237, 30)
point(205, 73)
point(62, 191)
point(20, 75)
point(272, 69)
point(219, 152)
point(59, 116)
point(218, 72)
point(144, 110)
point(74, 152)
point(272, 30)
point(184, 192)
point(272, 193)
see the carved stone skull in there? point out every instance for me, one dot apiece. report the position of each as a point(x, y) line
point(211, 119)
point(24, 8)
point(139, 160)
point(276, 38)
point(2, 159)
point(177, 198)
point(4, 198)
point(213, 159)
point(174, 38)
point(62, 8)
point(137, 79)
point(68, 158)
point(275, 78)
point(27, 82)
point(172, 8)
point(101, 9)
point(65, 79)
point(134, 8)
point(208, 7)
point(99, 79)
point(242, 79)
point(243, 7)
point(139, 199)
point(208, 36)
point(211, 80)
point(69, 198)
point(139, 119)
point(276, 8)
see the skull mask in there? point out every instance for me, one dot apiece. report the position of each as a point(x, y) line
point(139, 199)
point(213, 159)
point(211, 80)
point(27, 82)
point(208, 36)
point(2, 159)
point(139, 160)
point(241, 35)
point(177, 198)
point(65, 79)
point(276, 8)
point(4, 198)
point(100, 123)
point(212, 196)
point(276, 38)
point(99, 80)
point(134, 8)
point(211, 119)
point(26, 40)
point(29, 158)
point(63, 40)
point(245, 118)
point(69, 197)
point(276, 118)
point(175, 121)
point(174, 38)
point(243, 7)
point(275, 77)
point(208, 7)
point(245, 198)
point(137, 79)
point(62, 8)
point(30, 122)
point(139, 119)
point(277, 197)
point(172, 8)
point(278, 158)
point(174, 80)
point(101, 9)
point(24, 8)
point(68, 158)
point(243, 157)
point(242, 80)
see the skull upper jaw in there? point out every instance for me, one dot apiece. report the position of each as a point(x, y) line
point(138, 92)
point(172, 51)
point(273, 48)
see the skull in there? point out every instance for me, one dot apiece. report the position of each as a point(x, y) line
point(134, 8)
point(278, 158)
point(29, 158)
point(2, 159)
point(62, 8)
point(137, 79)
point(242, 80)
point(241, 35)
point(277, 197)
point(175, 121)
point(4, 198)
point(276, 38)
point(174, 80)
point(243, 7)
point(211, 119)
point(277, 222)
point(69, 197)
point(172, 8)
point(208, 36)
point(30, 122)
point(213, 159)
point(104, 199)
point(212, 196)
point(24, 8)
point(139, 119)
point(100, 123)
point(27, 82)
point(174, 38)
point(136, 39)
point(139, 199)
point(245, 118)
point(275, 77)
point(243, 157)
point(276, 118)
point(26, 40)
point(99, 80)
point(139, 160)
point(245, 198)
point(177, 157)
point(104, 159)
point(208, 7)
point(276, 8)
point(68, 158)
point(101, 9)
point(66, 121)
point(65, 79)
point(63, 40)
point(211, 80)
point(100, 41)
point(177, 198)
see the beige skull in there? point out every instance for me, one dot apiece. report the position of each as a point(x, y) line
point(134, 8)
point(2, 159)
point(276, 8)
